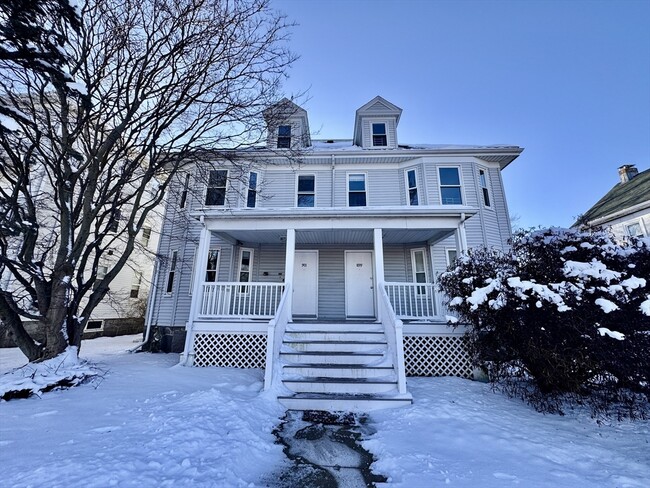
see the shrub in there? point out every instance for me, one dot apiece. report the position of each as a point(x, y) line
point(564, 315)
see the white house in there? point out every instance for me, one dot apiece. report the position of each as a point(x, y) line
point(625, 209)
point(318, 260)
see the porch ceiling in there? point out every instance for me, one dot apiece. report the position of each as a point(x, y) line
point(335, 236)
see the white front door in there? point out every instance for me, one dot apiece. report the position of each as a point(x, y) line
point(305, 283)
point(359, 284)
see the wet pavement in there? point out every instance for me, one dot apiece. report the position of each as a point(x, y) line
point(324, 451)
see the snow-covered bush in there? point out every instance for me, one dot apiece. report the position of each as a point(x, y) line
point(564, 315)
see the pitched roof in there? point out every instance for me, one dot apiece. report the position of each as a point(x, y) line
point(623, 196)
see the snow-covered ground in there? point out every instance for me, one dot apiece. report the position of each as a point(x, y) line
point(150, 423)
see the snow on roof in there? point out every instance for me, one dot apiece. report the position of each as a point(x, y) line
point(347, 145)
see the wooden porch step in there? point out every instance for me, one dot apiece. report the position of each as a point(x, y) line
point(335, 327)
point(342, 335)
point(338, 371)
point(349, 403)
point(335, 346)
point(335, 386)
point(333, 357)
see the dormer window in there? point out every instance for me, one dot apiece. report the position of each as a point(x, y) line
point(379, 138)
point(284, 137)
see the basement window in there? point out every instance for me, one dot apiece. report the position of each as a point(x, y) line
point(94, 325)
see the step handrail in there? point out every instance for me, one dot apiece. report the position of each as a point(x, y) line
point(276, 329)
point(394, 328)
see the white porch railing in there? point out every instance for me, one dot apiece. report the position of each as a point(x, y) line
point(395, 336)
point(412, 300)
point(240, 300)
point(277, 327)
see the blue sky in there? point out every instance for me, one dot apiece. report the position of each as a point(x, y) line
point(567, 80)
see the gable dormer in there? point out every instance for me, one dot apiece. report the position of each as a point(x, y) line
point(375, 125)
point(287, 126)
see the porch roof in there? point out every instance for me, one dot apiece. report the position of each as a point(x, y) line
point(352, 225)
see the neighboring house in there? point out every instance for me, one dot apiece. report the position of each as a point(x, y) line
point(318, 259)
point(625, 209)
point(122, 311)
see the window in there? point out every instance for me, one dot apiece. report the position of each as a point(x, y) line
point(484, 187)
point(412, 187)
point(146, 236)
point(420, 275)
point(95, 325)
point(379, 135)
point(245, 268)
point(284, 137)
point(450, 186)
point(212, 267)
point(173, 258)
point(114, 221)
point(634, 230)
point(306, 190)
point(251, 197)
point(452, 254)
point(216, 193)
point(357, 190)
point(135, 286)
point(186, 186)
point(101, 274)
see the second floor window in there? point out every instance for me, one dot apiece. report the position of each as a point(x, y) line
point(357, 190)
point(484, 187)
point(171, 272)
point(284, 137)
point(212, 266)
point(186, 187)
point(450, 193)
point(419, 266)
point(146, 236)
point(412, 187)
point(251, 197)
point(135, 285)
point(245, 268)
point(306, 190)
point(379, 135)
point(216, 192)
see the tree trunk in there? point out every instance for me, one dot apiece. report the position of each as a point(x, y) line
point(23, 340)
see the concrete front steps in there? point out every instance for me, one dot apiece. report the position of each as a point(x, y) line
point(338, 367)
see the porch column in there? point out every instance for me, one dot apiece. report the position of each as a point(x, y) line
point(200, 264)
point(461, 237)
point(379, 268)
point(290, 255)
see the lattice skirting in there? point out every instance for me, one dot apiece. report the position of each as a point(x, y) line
point(431, 355)
point(230, 350)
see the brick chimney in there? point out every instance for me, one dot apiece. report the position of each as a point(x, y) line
point(627, 172)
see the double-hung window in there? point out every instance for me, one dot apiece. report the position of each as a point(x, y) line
point(483, 179)
point(284, 137)
point(135, 285)
point(212, 266)
point(634, 230)
point(216, 192)
point(101, 274)
point(412, 187)
point(450, 192)
point(185, 189)
point(245, 268)
point(306, 191)
point(379, 138)
point(171, 271)
point(419, 264)
point(356, 190)
point(251, 195)
point(146, 236)
point(452, 254)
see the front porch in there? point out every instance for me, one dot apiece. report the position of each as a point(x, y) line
point(326, 275)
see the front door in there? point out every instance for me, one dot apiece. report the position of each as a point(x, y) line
point(305, 283)
point(359, 284)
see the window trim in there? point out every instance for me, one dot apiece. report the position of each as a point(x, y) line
point(288, 138)
point(347, 187)
point(447, 251)
point(460, 185)
point(638, 222)
point(408, 188)
point(385, 134)
point(225, 188)
point(171, 272)
point(485, 190)
point(136, 284)
point(243, 290)
point(298, 175)
point(414, 271)
point(185, 190)
point(254, 190)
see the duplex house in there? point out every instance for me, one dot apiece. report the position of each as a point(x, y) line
point(317, 259)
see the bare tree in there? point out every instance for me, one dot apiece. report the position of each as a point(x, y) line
point(156, 83)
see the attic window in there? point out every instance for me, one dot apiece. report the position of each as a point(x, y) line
point(379, 135)
point(284, 137)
